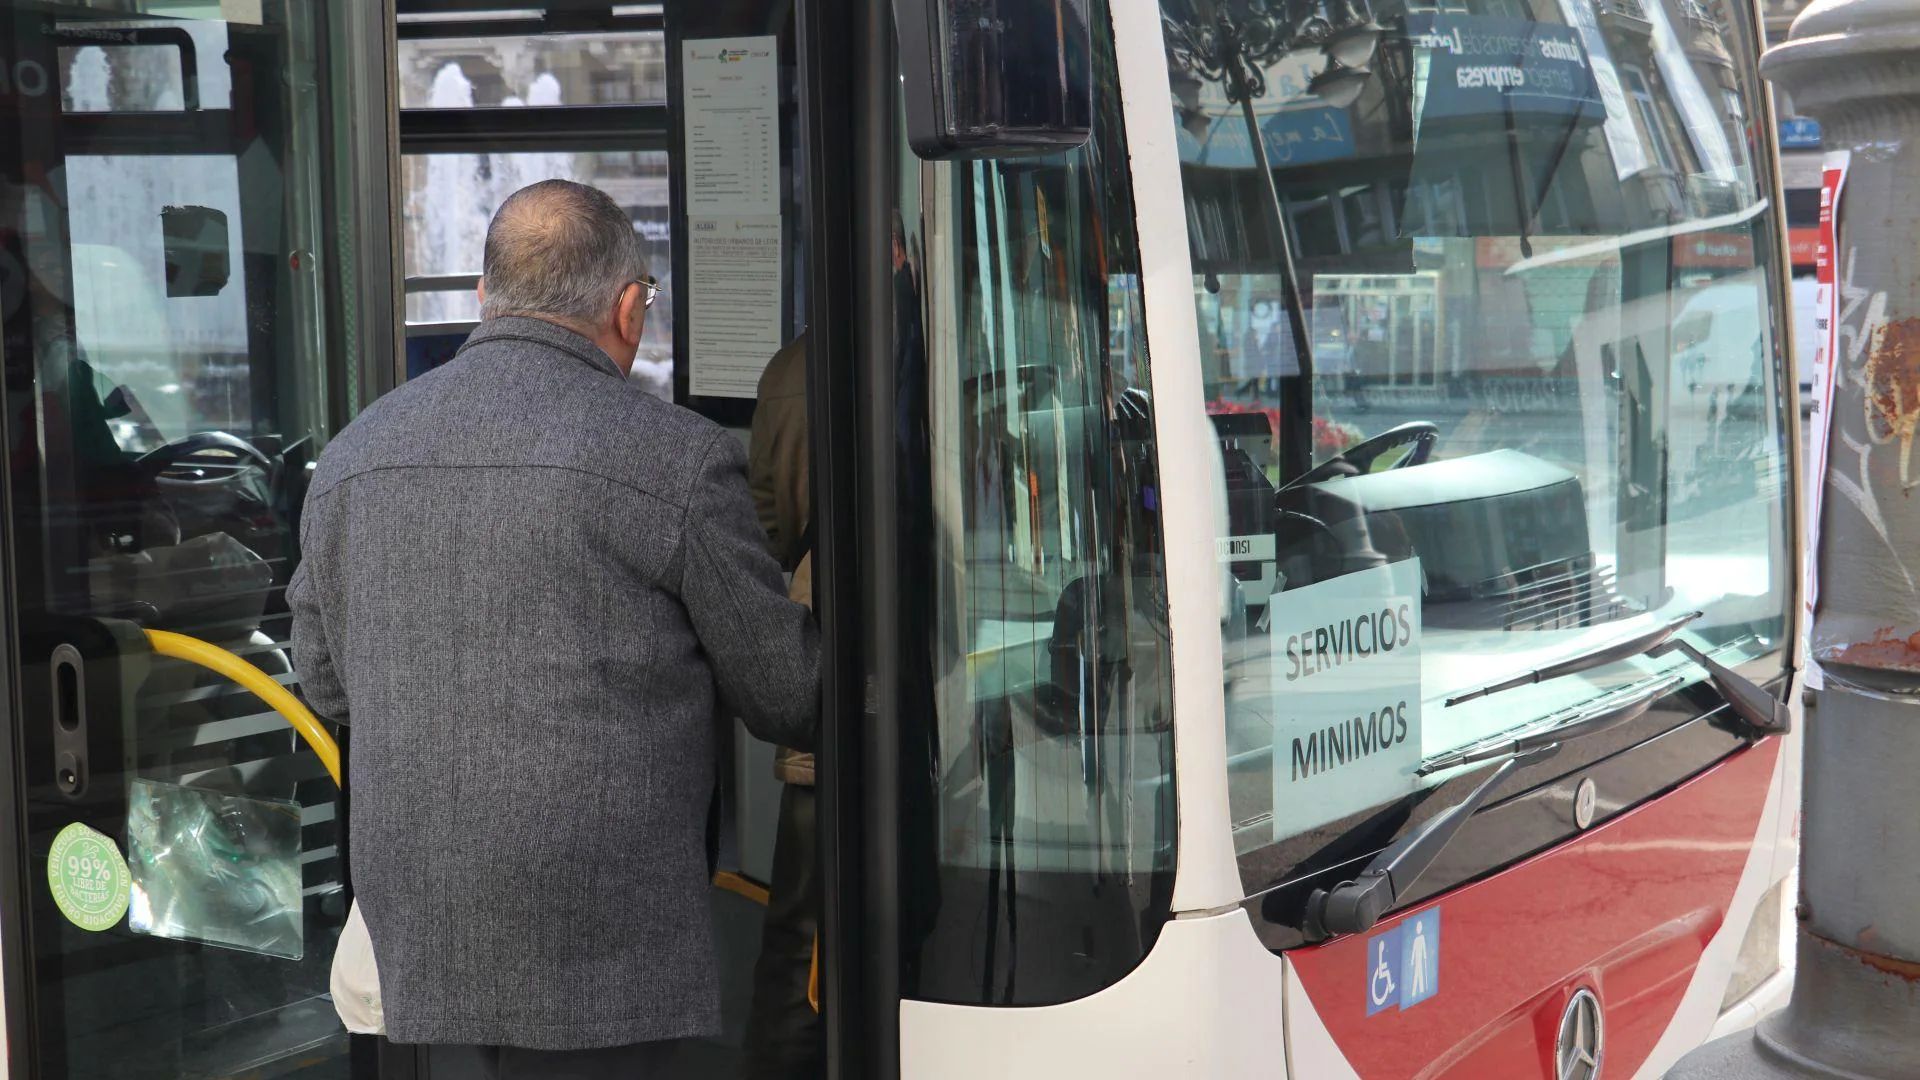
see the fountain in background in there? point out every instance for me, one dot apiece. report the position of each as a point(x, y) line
point(447, 218)
point(518, 170)
point(87, 82)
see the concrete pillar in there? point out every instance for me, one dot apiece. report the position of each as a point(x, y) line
point(1854, 65)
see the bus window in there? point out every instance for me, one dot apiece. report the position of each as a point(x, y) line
point(1037, 824)
point(483, 116)
point(1544, 389)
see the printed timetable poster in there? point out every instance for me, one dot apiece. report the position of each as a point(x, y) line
point(734, 242)
point(733, 268)
point(1347, 678)
point(731, 90)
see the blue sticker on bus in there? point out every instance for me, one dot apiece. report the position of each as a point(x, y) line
point(1419, 958)
point(1799, 133)
point(1403, 964)
point(1383, 971)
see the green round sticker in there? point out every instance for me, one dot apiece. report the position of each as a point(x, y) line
point(89, 878)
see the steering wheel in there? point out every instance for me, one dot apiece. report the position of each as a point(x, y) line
point(230, 450)
point(1359, 458)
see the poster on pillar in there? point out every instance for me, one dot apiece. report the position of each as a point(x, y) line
point(1833, 181)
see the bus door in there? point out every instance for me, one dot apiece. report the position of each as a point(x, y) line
point(172, 292)
point(689, 117)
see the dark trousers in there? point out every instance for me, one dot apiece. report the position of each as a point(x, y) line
point(639, 1061)
point(785, 1038)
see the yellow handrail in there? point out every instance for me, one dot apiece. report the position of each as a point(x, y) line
point(741, 885)
point(813, 976)
point(216, 659)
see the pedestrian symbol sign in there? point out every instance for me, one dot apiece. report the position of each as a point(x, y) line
point(1403, 964)
point(1420, 957)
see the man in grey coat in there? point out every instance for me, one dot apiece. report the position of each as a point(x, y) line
point(529, 588)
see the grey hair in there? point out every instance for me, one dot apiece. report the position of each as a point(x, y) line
point(560, 250)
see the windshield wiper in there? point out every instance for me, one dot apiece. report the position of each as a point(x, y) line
point(1610, 713)
point(1352, 907)
point(1760, 712)
point(1764, 714)
point(1638, 645)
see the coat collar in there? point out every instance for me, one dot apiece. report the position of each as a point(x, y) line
point(541, 332)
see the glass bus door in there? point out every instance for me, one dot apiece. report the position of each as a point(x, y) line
point(174, 356)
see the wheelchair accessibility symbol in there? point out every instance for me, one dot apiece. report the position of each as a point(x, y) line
point(1403, 964)
point(1382, 991)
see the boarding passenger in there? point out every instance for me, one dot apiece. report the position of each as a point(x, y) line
point(529, 587)
point(785, 1038)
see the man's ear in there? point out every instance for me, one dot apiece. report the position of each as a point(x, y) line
point(630, 317)
point(481, 291)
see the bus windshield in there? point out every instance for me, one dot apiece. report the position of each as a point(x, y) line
point(1540, 409)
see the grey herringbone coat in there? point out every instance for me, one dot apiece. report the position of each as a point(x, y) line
point(528, 587)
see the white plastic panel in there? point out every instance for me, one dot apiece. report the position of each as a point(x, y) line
point(1204, 1004)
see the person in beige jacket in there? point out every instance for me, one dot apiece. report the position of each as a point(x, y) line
point(784, 1034)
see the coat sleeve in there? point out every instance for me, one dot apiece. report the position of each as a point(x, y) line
point(764, 648)
point(308, 597)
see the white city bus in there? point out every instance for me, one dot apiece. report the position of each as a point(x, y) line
point(1303, 506)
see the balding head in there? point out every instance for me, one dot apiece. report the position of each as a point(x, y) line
point(563, 252)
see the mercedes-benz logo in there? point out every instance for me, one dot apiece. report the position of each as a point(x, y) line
point(1577, 1054)
point(1586, 798)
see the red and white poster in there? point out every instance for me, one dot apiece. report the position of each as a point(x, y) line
point(1833, 181)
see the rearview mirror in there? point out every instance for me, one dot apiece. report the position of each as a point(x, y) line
point(195, 241)
point(995, 78)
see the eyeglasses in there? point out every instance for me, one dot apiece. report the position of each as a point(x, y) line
point(655, 290)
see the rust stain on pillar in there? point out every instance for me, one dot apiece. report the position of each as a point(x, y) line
point(1905, 970)
point(1886, 650)
point(1893, 390)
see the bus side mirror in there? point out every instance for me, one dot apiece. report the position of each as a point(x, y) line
point(995, 78)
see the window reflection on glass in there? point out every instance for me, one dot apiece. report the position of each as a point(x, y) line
point(1537, 274)
point(145, 65)
point(1652, 121)
point(1038, 799)
point(178, 358)
point(1054, 588)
